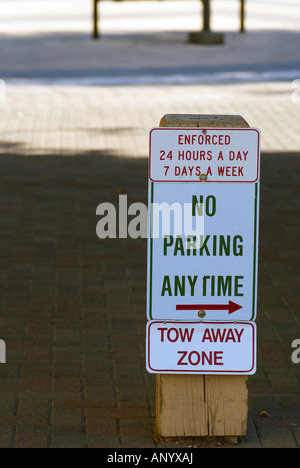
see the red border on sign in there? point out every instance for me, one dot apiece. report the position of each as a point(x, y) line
point(201, 371)
point(207, 128)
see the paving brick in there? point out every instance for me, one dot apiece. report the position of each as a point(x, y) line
point(290, 406)
point(273, 436)
point(137, 432)
point(31, 438)
point(102, 427)
point(67, 437)
point(132, 400)
point(296, 434)
point(67, 417)
point(69, 403)
point(64, 384)
point(118, 413)
point(6, 436)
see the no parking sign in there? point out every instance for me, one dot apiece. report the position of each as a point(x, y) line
point(203, 243)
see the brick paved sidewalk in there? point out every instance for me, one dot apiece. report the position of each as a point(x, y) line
point(73, 306)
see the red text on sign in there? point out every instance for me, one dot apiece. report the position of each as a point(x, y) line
point(195, 358)
point(217, 335)
point(173, 334)
point(203, 139)
point(231, 171)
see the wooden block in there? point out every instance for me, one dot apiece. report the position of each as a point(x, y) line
point(226, 398)
point(205, 37)
point(177, 396)
point(202, 120)
point(201, 405)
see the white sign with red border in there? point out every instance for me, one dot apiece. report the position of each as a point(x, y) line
point(209, 154)
point(179, 347)
point(202, 261)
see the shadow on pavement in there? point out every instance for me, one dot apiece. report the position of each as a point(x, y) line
point(73, 306)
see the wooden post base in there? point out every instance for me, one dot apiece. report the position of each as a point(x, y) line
point(205, 37)
point(198, 405)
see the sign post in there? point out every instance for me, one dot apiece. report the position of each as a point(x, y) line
point(95, 20)
point(202, 272)
point(206, 36)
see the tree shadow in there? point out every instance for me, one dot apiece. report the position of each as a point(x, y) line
point(67, 294)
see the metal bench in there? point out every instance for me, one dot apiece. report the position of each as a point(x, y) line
point(206, 15)
point(206, 20)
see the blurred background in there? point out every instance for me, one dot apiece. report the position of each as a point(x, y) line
point(146, 43)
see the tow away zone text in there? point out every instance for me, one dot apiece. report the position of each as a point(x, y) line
point(211, 335)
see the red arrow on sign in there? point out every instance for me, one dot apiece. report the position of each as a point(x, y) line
point(231, 307)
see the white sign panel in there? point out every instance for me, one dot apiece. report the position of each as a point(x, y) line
point(202, 251)
point(210, 154)
point(201, 347)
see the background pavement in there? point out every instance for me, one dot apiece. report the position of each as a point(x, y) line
point(74, 133)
